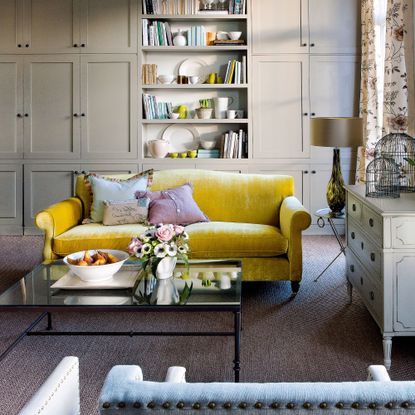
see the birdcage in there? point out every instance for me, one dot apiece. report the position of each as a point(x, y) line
point(382, 178)
point(399, 147)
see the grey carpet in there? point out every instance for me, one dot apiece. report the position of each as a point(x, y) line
point(316, 337)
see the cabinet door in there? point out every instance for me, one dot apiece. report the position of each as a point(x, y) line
point(45, 185)
point(10, 25)
point(51, 95)
point(109, 26)
point(334, 26)
point(279, 26)
point(280, 106)
point(11, 107)
point(51, 26)
point(334, 86)
point(109, 104)
point(11, 191)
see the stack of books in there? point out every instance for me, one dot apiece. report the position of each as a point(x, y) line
point(237, 6)
point(196, 36)
point(148, 74)
point(236, 72)
point(173, 7)
point(156, 33)
point(154, 110)
point(214, 153)
point(234, 145)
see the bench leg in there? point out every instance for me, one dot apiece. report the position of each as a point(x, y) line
point(295, 287)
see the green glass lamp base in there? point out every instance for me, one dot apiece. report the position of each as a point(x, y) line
point(336, 194)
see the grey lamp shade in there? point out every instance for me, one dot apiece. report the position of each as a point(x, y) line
point(336, 132)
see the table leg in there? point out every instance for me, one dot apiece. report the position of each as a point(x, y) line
point(387, 351)
point(49, 326)
point(237, 329)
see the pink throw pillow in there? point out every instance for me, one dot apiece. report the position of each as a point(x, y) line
point(175, 206)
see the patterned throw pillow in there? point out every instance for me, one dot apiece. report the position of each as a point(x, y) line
point(122, 212)
point(106, 188)
point(175, 206)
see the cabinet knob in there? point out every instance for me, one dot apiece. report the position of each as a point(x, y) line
point(83, 45)
point(352, 235)
point(83, 172)
point(305, 171)
point(305, 114)
point(75, 172)
point(312, 45)
point(313, 172)
point(361, 281)
point(26, 114)
point(76, 115)
point(313, 114)
point(75, 45)
point(83, 114)
point(362, 245)
point(19, 115)
point(303, 44)
point(19, 45)
point(371, 222)
point(372, 295)
point(352, 268)
point(354, 207)
point(27, 45)
point(372, 257)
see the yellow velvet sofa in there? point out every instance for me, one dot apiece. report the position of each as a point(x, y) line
point(253, 217)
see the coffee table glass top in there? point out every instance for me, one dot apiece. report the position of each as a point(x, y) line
point(35, 289)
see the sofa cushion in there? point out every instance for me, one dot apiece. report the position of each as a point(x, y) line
point(235, 240)
point(206, 240)
point(96, 236)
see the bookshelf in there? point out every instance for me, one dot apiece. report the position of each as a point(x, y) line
point(216, 57)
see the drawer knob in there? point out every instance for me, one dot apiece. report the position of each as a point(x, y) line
point(371, 223)
point(362, 245)
point(372, 257)
point(361, 281)
point(354, 207)
point(353, 235)
point(372, 295)
point(352, 268)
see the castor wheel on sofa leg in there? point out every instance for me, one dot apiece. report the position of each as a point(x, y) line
point(295, 287)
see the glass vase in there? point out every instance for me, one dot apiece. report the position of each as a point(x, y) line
point(336, 195)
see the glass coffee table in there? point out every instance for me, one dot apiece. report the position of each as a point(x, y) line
point(50, 288)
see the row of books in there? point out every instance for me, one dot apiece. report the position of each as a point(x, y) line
point(236, 72)
point(234, 145)
point(183, 7)
point(208, 154)
point(155, 110)
point(148, 74)
point(156, 33)
point(196, 36)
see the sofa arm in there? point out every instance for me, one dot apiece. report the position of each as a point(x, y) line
point(294, 219)
point(60, 392)
point(57, 219)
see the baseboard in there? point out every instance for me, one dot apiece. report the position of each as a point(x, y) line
point(314, 229)
point(11, 230)
point(32, 231)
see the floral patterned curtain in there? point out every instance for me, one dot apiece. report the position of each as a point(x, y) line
point(369, 90)
point(398, 64)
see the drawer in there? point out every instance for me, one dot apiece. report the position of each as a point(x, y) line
point(368, 253)
point(365, 285)
point(373, 223)
point(354, 207)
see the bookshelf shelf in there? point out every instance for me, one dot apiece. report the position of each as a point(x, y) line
point(198, 121)
point(199, 49)
point(196, 86)
point(195, 17)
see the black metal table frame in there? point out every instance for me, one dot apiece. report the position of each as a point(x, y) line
point(47, 312)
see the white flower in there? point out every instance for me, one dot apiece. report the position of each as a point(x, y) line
point(144, 238)
point(146, 249)
point(160, 250)
point(139, 253)
point(185, 236)
point(172, 249)
point(182, 249)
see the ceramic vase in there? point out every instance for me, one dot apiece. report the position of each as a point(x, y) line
point(179, 39)
point(158, 148)
point(165, 291)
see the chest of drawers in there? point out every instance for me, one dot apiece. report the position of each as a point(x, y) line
point(380, 260)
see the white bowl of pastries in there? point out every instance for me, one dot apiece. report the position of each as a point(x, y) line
point(96, 265)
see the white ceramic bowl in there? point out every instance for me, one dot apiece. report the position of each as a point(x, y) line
point(96, 273)
point(234, 35)
point(208, 144)
point(174, 115)
point(166, 79)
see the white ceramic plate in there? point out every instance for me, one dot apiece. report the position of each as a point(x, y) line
point(181, 138)
point(194, 67)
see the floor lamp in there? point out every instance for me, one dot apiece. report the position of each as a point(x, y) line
point(336, 132)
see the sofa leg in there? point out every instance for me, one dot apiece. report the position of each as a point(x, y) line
point(295, 287)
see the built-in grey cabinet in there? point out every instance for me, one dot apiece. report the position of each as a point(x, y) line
point(51, 103)
point(109, 106)
point(11, 107)
point(334, 86)
point(44, 185)
point(68, 26)
point(280, 102)
point(11, 198)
